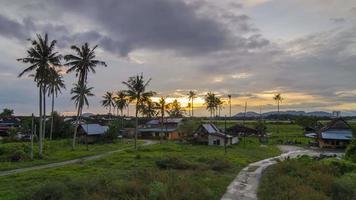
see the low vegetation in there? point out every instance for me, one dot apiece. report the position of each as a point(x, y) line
point(306, 178)
point(166, 171)
point(17, 154)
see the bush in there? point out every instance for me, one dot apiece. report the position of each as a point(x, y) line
point(175, 163)
point(351, 152)
point(345, 187)
point(217, 164)
point(52, 191)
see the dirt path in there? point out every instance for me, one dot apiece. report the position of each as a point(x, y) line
point(244, 186)
point(67, 162)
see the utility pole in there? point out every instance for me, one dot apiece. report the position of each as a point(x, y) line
point(230, 103)
point(244, 122)
point(225, 139)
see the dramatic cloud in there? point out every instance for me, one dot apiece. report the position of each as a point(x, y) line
point(250, 49)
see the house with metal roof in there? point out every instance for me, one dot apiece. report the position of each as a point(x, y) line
point(90, 133)
point(212, 135)
point(241, 130)
point(157, 128)
point(336, 134)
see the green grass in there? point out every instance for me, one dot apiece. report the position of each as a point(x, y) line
point(139, 173)
point(56, 151)
point(305, 178)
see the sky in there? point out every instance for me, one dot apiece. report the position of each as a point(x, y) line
point(250, 49)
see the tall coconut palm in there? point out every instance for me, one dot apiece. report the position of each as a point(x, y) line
point(219, 105)
point(82, 63)
point(162, 106)
point(55, 84)
point(278, 98)
point(148, 108)
point(192, 95)
point(80, 98)
point(210, 102)
point(108, 101)
point(41, 56)
point(121, 102)
point(137, 92)
point(175, 109)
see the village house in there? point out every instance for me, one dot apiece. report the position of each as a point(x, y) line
point(90, 133)
point(7, 123)
point(336, 134)
point(169, 129)
point(240, 131)
point(211, 135)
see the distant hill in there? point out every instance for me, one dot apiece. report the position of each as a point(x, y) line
point(289, 112)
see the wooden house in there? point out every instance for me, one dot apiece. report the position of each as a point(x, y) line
point(90, 133)
point(336, 134)
point(154, 128)
point(211, 135)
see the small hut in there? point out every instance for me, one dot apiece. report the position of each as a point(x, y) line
point(211, 135)
point(91, 133)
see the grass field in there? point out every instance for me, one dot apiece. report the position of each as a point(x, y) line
point(173, 171)
point(305, 178)
point(54, 151)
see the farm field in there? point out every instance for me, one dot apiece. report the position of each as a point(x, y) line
point(166, 171)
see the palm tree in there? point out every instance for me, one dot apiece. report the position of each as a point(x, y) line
point(41, 56)
point(82, 63)
point(219, 104)
point(108, 101)
point(55, 85)
point(149, 108)
point(137, 92)
point(163, 106)
point(80, 98)
point(175, 109)
point(121, 102)
point(210, 102)
point(192, 95)
point(278, 98)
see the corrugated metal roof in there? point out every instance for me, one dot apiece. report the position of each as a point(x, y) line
point(337, 135)
point(166, 120)
point(311, 135)
point(210, 128)
point(94, 129)
point(157, 129)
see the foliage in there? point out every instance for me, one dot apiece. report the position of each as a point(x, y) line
point(175, 163)
point(305, 178)
point(188, 127)
point(138, 177)
point(6, 113)
point(306, 121)
point(112, 134)
point(350, 153)
point(175, 109)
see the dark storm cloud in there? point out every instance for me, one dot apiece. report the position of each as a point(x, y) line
point(13, 29)
point(155, 24)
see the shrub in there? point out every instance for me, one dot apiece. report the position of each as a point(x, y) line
point(345, 187)
point(52, 191)
point(217, 164)
point(175, 163)
point(351, 152)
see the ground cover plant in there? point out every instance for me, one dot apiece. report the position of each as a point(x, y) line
point(17, 154)
point(307, 178)
point(166, 171)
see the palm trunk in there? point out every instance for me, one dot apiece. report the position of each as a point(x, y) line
point(161, 134)
point(136, 124)
point(52, 120)
point(76, 127)
point(192, 108)
point(122, 118)
point(32, 133)
point(40, 124)
point(44, 113)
